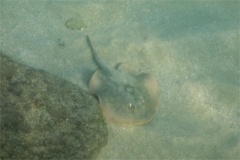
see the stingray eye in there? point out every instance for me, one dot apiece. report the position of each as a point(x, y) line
point(131, 106)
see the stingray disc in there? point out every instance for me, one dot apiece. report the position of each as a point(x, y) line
point(121, 102)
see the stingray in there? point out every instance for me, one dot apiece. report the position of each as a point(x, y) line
point(124, 98)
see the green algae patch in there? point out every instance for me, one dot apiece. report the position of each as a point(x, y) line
point(75, 23)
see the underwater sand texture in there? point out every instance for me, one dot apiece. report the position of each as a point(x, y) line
point(191, 47)
point(124, 98)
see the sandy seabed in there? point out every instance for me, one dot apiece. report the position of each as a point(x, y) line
point(191, 48)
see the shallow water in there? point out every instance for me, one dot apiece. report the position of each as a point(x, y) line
point(191, 48)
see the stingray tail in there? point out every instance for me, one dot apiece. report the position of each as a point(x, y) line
point(100, 64)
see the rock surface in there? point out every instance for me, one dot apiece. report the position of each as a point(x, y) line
point(45, 117)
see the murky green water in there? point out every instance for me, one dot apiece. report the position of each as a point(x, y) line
point(191, 48)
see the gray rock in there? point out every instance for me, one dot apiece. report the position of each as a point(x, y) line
point(45, 117)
